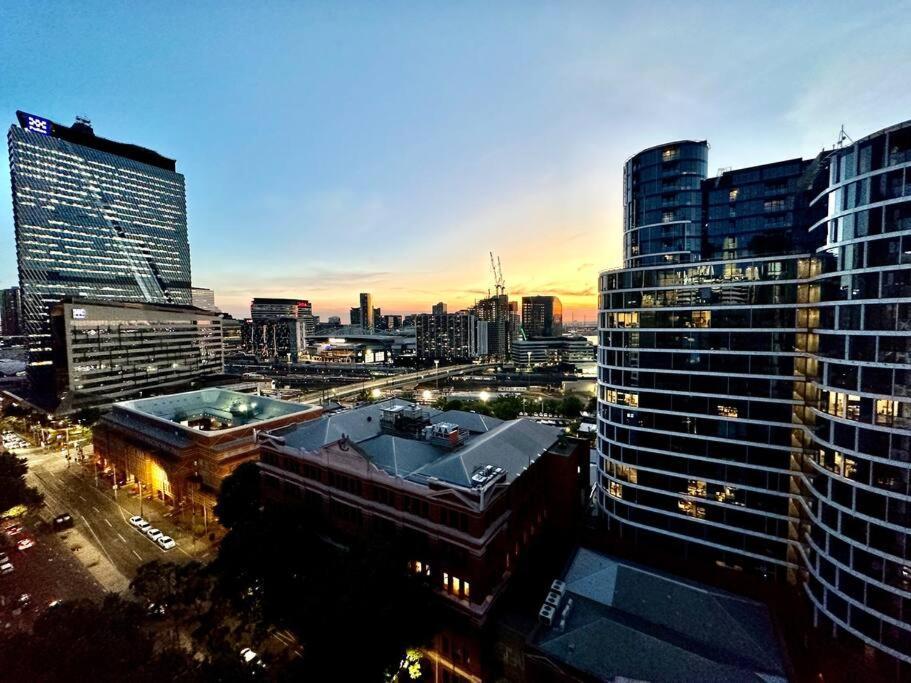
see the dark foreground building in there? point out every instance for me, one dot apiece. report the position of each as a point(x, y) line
point(94, 218)
point(468, 492)
point(606, 619)
point(754, 363)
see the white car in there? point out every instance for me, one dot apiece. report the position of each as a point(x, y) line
point(154, 533)
point(166, 542)
point(142, 525)
point(136, 520)
point(6, 568)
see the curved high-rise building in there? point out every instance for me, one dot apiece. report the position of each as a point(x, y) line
point(662, 203)
point(755, 375)
point(857, 547)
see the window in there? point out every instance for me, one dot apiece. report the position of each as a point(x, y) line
point(690, 509)
point(615, 489)
point(670, 154)
point(727, 411)
point(696, 488)
point(732, 195)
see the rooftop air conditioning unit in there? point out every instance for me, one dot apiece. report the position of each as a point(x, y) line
point(546, 614)
point(553, 599)
point(558, 586)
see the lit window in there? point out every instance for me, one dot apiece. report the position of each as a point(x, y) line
point(466, 589)
point(615, 489)
point(732, 195)
point(696, 488)
point(727, 411)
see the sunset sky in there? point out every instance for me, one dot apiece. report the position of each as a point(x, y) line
point(333, 148)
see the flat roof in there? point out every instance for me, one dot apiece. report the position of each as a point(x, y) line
point(635, 622)
point(237, 409)
point(81, 133)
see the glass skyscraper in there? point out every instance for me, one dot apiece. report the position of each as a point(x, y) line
point(754, 366)
point(94, 218)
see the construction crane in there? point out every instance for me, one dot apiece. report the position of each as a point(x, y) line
point(499, 283)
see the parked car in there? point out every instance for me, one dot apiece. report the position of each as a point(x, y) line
point(166, 542)
point(13, 530)
point(143, 525)
point(63, 521)
point(136, 519)
point(4, 558)
point(6, 568)
point(25, 543)
point(154, 533)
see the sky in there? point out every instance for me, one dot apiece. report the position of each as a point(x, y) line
point(332, 148)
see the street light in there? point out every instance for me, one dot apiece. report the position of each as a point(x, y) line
point(484, 396)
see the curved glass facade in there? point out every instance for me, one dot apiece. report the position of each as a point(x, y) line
point(662, 203)
point(857, 547)
point(755, 390)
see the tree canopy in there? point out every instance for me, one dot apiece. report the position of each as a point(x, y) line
point(13, 488)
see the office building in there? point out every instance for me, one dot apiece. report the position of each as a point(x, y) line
point(552, 351)
point(10, 312)
point(542, 316)
point(204, 298)
point(471, 493)
point(182, 446)
point(448, 337)
point(439, 309)
point(754, 370)
point(377, 319)
point(262, 309)
point(281, 328)
point(105, 351)
point(366, 311)
point(232, 332)
point(93, 218)
point(388, 323)
point(334, 321)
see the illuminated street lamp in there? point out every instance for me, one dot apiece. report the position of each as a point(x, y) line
point(484, 396)
point(427, 395)
point(376, 393)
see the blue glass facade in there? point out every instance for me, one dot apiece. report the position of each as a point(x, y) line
point(755, 376)
point(93, 218)
point(662, 203)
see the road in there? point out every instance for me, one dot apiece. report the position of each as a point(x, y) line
point(397, 380)
point(103, 519)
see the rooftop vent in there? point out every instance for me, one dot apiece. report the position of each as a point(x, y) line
point(546, 614)
point(485, 474)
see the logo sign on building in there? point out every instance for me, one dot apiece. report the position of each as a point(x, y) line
point(78, 314)
point(36, 124)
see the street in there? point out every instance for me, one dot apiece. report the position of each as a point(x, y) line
point(101, 517)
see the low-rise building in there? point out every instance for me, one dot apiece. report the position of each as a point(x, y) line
point(468, 493)
point(180, 447)
point(607, 619)
point(552, 350)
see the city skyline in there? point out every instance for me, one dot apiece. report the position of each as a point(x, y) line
point(326, 160)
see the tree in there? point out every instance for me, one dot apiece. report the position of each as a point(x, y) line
point(13, 489)
point(571, 406)
point(239, 498)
